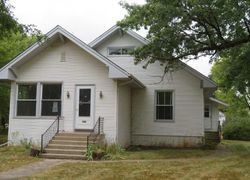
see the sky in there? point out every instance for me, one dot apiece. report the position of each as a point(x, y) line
point(86, 19)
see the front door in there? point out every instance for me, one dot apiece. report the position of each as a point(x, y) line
point(84, 107)
point(207, 117)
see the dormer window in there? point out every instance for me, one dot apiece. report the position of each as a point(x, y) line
point(118, 51)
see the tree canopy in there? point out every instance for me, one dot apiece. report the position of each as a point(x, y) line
point(232, 74)
point(14, 38)
point(184, 29)
point(8, 22)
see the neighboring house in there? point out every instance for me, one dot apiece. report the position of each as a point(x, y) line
point(64, 76)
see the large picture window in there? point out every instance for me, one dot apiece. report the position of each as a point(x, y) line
point(164, 105)
point(26, 100)
point(51, 99)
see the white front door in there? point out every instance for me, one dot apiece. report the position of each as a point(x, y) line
point(84, 107)
point(207, 117)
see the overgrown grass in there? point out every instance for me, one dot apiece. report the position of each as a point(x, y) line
point(212, 168)
point(116, 152)
point(227, 162)
point(14, 156)
point(241, 148)
point(166, 154)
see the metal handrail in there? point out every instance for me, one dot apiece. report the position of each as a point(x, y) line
point(50, 133)
point(97, 130)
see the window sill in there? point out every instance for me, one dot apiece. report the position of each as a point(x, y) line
point(35, 117)
point(119, 55)
point(165, 121)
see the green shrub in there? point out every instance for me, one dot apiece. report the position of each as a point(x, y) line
point(3, 139)
point(104, 151)
point(26, 143)
point(237, 128)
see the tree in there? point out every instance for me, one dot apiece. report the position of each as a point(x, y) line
point(14, 38)
point(8, 23)
point(10, 46)
point(232, 74)
point(185, 29)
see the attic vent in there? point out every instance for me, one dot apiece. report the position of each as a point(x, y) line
point(63, 57)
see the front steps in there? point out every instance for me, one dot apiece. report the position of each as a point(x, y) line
point(67, 146)
point(212, 139)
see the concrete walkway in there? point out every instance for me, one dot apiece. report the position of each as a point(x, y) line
point(30, 169)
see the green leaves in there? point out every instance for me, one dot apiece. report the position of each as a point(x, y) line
point(9, 24)
point(231, 73)
point(186, 29)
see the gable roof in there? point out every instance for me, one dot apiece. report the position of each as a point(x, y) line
point(206, 82)
point(115, 71)
point(113, 30)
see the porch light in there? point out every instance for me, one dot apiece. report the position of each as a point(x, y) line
point(68, 95)
point(101, 95)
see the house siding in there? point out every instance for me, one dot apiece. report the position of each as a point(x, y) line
point(79, 68)
point(215, 116)
point(188, 99)
point(124, 115)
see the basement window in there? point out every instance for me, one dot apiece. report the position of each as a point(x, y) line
point(26, 100)
point(164, 106)
point(117, 51)
point(51, 99)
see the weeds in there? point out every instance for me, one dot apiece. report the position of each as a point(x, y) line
point(104, 151)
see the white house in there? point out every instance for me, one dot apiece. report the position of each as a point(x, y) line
point(64, 76)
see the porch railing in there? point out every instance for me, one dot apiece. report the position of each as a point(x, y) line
point(50, 133)
point(97, 130)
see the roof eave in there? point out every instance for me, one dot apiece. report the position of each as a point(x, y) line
point(54, 31)
point(112, 30)
point(218, 101)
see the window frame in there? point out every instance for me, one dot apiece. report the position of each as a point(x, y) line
point(209, 111)
point(33, 100)
point(119, 47)
point(38, 99)
point(41, 98)
point(173, 105)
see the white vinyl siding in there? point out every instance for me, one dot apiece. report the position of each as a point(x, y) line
point(124, 115)
point(79, 68)
point(188, 95)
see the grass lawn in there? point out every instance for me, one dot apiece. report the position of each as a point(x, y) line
point(12, 157)
point(230, 161)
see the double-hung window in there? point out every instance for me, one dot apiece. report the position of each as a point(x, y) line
point(51, 99)
point(26, 100)
point(164, 106)
point(207, 111)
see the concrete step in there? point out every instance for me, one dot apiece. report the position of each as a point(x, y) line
point(74, 134)
point(64, 151)
point(71, 138)
point(68, 142)
point(63, 156)
point(67, 146)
